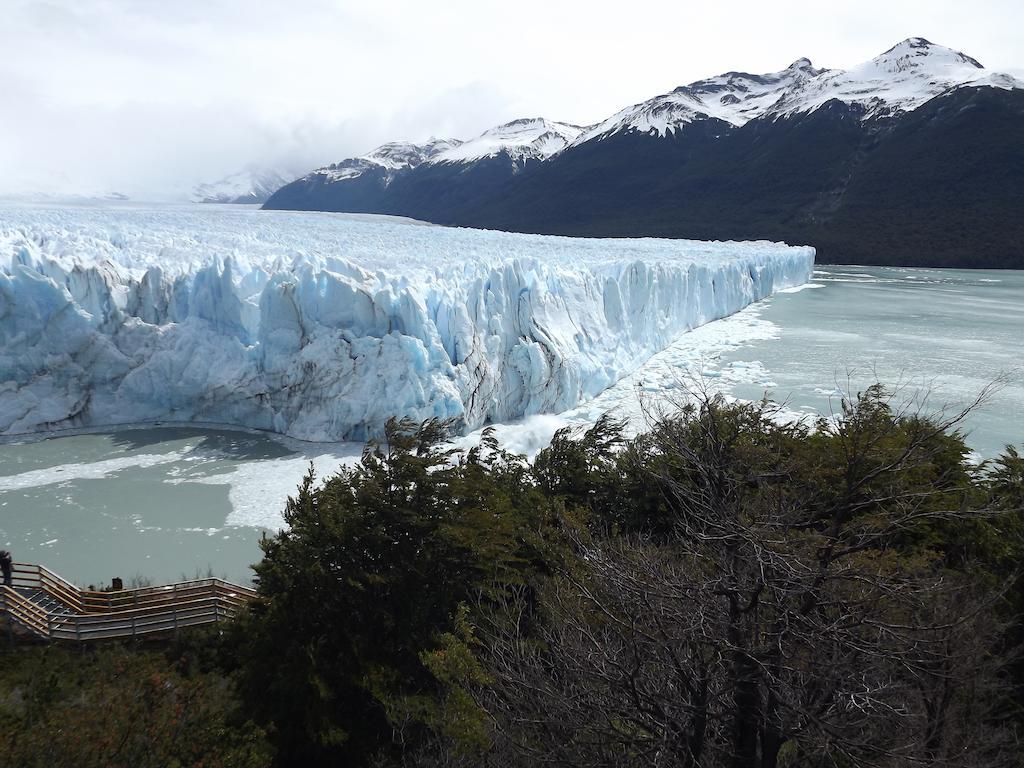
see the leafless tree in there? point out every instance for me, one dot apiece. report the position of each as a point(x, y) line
point(784, 616)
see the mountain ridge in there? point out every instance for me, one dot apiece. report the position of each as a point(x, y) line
point(716, 158)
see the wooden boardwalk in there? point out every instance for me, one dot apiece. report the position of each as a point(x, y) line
point(43, 604)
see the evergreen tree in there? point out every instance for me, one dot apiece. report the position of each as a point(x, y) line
point(360, 643)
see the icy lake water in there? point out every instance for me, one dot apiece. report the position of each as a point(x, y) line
point(953, 331)
point(167, 502)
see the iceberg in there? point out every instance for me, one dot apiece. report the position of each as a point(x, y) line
point(323, 326)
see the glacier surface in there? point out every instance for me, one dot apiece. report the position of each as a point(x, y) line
point(322, 326)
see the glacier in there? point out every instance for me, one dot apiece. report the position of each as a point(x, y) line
point(322, 326)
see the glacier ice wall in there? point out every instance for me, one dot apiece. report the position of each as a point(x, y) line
point(322, 326)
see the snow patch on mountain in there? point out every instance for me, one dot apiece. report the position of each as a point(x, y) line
point(388, 158)
point(524, 139)
point(322, 327)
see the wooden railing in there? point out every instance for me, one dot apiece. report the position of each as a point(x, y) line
point(24, 611)
point(70, 613)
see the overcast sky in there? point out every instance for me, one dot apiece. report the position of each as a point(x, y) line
point(148, 97)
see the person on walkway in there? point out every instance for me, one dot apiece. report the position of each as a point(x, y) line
point(6, 566)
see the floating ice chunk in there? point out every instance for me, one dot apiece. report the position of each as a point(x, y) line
point(89, 471)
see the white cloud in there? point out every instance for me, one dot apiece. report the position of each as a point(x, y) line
point(147, 97)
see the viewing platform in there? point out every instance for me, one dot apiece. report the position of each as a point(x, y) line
point(43, 605)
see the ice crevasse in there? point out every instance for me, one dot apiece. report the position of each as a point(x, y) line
point(321, 327)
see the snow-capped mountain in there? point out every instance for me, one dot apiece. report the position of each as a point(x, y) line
point(921, 147)
point(735, 97)
point(899, 80)
point(252, 184)
point(395, 175)
point(522, 140)
point(389, 158)
point(55, 187)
